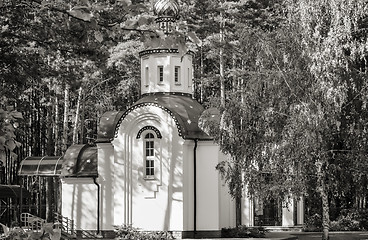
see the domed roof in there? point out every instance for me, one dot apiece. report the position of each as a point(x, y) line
point(181, 107)
point(167, 8)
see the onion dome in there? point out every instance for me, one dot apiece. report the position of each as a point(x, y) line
point(166, 8)
point(167, 12)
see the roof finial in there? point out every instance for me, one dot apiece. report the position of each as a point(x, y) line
point(167, 12)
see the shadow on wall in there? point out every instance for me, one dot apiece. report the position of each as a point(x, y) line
point(84, 205)
point(148, 202)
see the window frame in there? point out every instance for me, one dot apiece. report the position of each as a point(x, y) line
point(190, 79)
point(149, 158)
point(160, 74)
point(177, 75)
point(146, 76)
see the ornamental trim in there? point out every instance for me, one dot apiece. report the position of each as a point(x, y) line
point(152, 128)
point(158, 50)
point(148, 104)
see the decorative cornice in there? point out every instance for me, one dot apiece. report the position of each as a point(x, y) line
point(167, 94)
point(148, 104)
point(158, 50)
point(165, 19)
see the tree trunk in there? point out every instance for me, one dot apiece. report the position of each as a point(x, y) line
point(222, 63)
point(82, 127)
point(50, 209)
point(321, 168)
point(238, 211)
point(50, 206)
point(238, 192)
point(325, 214)
point(66, 115)
point(235, 79)
point(50, 125)
point(56, 128)
point(202, 72)
point(75, 130)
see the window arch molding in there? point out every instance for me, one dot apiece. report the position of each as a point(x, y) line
point(150, 138)
point(149, 146)
point(152, 128)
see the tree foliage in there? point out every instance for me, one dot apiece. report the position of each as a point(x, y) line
point(297, 118)
point(290, 77)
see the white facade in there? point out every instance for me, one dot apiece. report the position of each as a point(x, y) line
point(167, 201)
point(163, 203)
point(156, 168)
point(176, 72)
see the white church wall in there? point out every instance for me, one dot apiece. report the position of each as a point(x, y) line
point(188, 182)
point(208, 204)
point(79, 198)
point(150, 204)
point(150, 74)
point(106, 172)
point(227, 203)
point(120, 184)
point(185, 76)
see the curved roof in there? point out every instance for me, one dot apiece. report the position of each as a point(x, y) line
point(40, 166)
point(107, 125)
point(183, 109)
point(166, 8)
point(80, 160)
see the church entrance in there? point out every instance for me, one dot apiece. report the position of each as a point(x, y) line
point(267, 212)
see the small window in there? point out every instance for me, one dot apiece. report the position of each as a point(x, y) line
point(160, 70)
point(177, 75)
point(146, 77)
point(149, 146)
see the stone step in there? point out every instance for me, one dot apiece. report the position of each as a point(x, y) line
point(284, 229)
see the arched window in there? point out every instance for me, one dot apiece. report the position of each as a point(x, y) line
point(149, 151)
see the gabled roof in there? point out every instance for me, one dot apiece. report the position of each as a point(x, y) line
point(183, 109)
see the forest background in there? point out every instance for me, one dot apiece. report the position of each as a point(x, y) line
point(288, 80)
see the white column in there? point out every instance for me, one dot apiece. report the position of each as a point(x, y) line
point(247, 212)
point(105, 179)
point(288, 214)
point(300, 211)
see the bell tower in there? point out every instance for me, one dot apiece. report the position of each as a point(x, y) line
point(165, 68)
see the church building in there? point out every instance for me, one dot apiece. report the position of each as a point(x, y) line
point(152, 167)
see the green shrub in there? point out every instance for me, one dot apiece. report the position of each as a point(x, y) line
point(344, 224)
point(243, 232)
point(351, 220)
point(348, 220)
point(363, 219)
point(129, 232)
point(313, 223)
